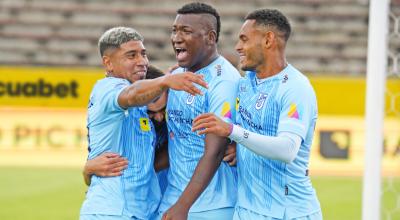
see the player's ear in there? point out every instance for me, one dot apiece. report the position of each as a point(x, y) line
point(268, 39)
point(107, 63)
point(212, 37)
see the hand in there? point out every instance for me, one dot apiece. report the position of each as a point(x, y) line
point(176, 212)
point(230, 154)
point(105, 165)
point(186, 82)
point(209, 123)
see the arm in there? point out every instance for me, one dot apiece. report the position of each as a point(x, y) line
point(214, 152)
point(106, 165)
point(284, 147)
point(143, 92)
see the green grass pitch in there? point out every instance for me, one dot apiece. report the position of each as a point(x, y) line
point(57, 193)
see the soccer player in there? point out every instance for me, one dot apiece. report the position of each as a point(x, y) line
point(111, 164)
point(118, 122)
point(277, 112)
point(199, 185)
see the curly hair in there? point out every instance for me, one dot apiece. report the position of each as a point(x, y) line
point(271, 17)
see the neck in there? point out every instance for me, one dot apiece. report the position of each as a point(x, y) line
point(209, 59)
point(272, 66)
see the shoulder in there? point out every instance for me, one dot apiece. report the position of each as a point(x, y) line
point(112, 81)
point(109, 84)
point(222, 72)
point(296, 83)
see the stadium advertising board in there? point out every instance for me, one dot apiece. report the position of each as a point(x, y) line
point(49, 129)
point(58, 137)
point(47, 87)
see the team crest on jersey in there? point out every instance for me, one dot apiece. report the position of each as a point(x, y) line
point(237, 104)
point(242, 88)
point(190, 99)
point(218, 68)
point(144, 124)
point(261, 100)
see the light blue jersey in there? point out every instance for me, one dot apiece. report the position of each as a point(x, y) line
point(186, 147)
point(285, 102)
point(129, 133)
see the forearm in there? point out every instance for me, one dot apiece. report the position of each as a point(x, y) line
point(205, 170)
point(142, 92)
point(284, 147)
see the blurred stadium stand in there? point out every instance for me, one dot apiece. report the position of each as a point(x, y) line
point(328, 36)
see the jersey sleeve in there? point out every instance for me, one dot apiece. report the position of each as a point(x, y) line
point(297, 109)
point(222, 100)
point(110, 97)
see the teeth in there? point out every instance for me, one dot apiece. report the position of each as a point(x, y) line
point(178, 49)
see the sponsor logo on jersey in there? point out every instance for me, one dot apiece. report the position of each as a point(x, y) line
point(293, 111)
point(226, 110)
point(144, 124)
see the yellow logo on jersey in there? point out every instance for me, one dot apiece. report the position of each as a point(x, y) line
point(144, 124)
point(237, 104)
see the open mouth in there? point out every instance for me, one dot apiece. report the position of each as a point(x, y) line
point(141, 74)
point(181, 53)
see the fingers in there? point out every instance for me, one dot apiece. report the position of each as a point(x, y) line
point(118, 166)
point(233, 162)
point(203, 121)
point(192, 89)
point(110, 155)
point(201, 125)
point(191, 81)
point(199, 80)
point(116, 160)
point(229, 157)
point(202, 116)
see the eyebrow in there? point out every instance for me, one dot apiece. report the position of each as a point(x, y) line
point(181, 26)
point(134, 51)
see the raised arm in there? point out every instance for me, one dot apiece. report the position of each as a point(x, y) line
point(143, 92)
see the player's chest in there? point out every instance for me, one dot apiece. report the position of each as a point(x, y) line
point(186, 105)
point(257, 107)
point(137, 120)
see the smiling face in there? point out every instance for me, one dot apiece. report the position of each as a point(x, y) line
point(190, 40)
point(129, 61)
point(249, 47)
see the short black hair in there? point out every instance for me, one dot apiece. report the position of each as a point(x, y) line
point(201, 8)
point(271, 17)
point(153, 72)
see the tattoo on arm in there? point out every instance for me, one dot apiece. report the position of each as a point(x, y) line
point(147, 96)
